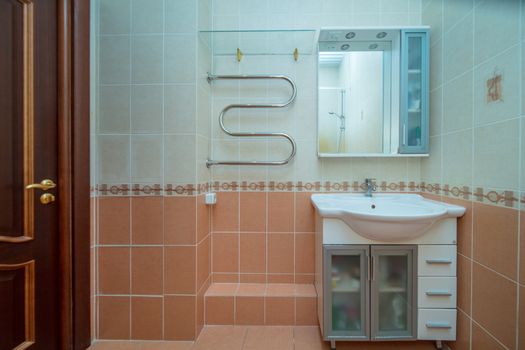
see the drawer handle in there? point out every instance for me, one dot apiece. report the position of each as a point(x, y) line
point(438, 293)
point(439, 261)
point(438, 325)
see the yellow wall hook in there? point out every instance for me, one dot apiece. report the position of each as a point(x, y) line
point(239, 55)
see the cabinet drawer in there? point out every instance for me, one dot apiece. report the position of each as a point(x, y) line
point(436, 292)
point(436, 324)
point(436, 260)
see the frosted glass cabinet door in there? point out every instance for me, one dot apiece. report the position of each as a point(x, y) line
point(393, 292)
point(346, 291)
point(414, 92)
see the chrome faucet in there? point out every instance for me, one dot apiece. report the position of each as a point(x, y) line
point(370, 187)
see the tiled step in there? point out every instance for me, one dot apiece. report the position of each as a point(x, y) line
point(261, 304)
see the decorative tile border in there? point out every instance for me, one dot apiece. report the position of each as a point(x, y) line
point(149, 189)
point(314, 186)
point(186, 190)
point(497, 197)
point(112, 190)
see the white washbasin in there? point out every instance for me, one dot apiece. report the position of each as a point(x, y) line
point(385, 217)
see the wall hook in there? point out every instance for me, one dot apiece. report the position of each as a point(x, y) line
point(295, 54)
point(239, 55)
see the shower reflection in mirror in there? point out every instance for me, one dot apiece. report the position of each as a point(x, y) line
point(351, 102)
point(341, 144)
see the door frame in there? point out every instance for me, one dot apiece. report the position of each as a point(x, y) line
point(73, 173)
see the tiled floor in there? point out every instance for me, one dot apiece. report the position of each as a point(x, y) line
point(258, 338)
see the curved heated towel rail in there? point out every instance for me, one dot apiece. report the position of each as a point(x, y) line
point(211, 78)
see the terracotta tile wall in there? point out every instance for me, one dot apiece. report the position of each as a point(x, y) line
point(490, 289)
point(93, 265)
point(263, 237)
point(151, 266)
point(261, 304)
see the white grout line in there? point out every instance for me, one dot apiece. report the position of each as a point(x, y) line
point(238, 234)
point(130, 160)
point(489, 268)
point(294, 202)
point(472, 179)
point(451, 28)
point(196, 167)
point(267, 268)
point(154, 296)
point(96, 175)
point(442, 40)
point(521, 155)
point(163, 162)
point(489, 334)
point(244, 336)
point(145, 84)
point(145, 133)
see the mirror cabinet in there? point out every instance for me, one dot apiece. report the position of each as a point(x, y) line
point(373, 92)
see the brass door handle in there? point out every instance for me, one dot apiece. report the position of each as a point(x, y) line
point(44, 185)
point(47, 198)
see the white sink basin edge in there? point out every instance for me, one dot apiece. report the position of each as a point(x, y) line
point(385, 217)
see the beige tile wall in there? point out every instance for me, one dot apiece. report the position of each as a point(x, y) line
point(473, 142)
point(481, 145)
point(299, 120)
point(152, 103)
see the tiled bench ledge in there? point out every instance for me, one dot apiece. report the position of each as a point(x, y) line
point(261, 304)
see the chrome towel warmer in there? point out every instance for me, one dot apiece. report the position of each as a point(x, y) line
point(211, 78)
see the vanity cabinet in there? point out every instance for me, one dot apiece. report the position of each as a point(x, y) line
point(375, 290)
point(370, 292)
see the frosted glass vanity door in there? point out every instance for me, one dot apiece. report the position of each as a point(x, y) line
point(346, 292)
point(393, 292)
point(414, 114)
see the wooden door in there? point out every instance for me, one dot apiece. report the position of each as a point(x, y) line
point(29, 269)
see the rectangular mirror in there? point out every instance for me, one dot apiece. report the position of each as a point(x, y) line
point(360, 94)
